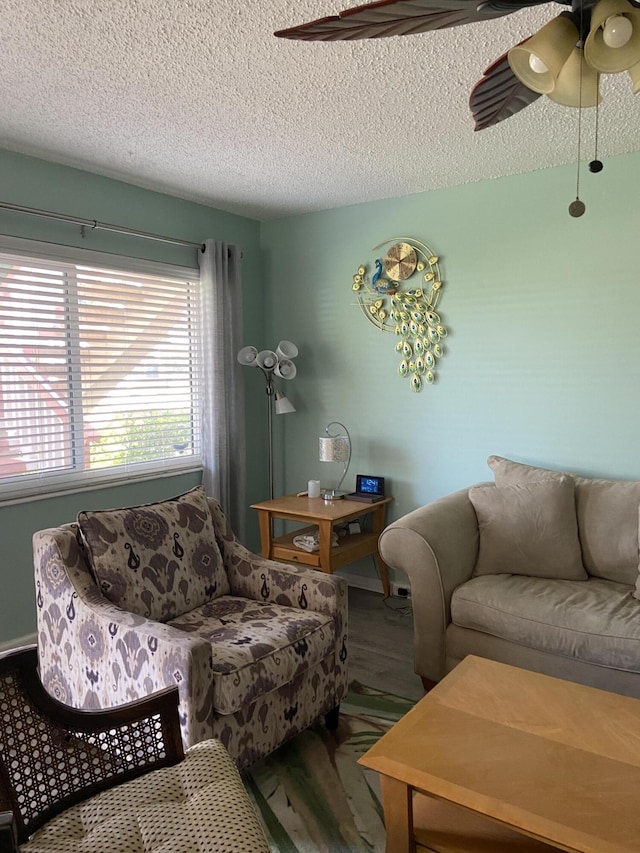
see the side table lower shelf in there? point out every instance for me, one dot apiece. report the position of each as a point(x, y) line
point(349, 549)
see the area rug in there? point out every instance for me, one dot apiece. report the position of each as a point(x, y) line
point(313, 796)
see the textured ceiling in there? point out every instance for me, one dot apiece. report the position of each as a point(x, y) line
point(196, 98)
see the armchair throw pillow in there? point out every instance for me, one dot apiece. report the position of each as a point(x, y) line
point(528, 529)
point(158, 560)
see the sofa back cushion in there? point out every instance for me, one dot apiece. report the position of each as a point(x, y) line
point(159, 560)
point(608, 521)
point(607, 512)
point(528, 529)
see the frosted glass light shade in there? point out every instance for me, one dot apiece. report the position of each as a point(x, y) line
point(572, 91)
point(267, 359)
point(552, 45)
point(283, 405)
point(247, 356)
point(286, 349)
point(285, 369)
point(611, 60)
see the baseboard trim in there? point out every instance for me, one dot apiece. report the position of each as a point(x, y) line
point(372, 584)
point(18, 642)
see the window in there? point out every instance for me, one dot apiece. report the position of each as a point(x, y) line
point(99, 369)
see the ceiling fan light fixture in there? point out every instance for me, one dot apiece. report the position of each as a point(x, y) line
point(634, 73)
point(612, 45)
point(577, 84)
point(551, 46)
point(606, 32)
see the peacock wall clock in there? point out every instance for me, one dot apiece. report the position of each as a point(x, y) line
point(400, 294)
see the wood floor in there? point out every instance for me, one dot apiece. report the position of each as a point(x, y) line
point(381, 643)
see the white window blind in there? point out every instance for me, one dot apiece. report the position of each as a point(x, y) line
point(99, 371)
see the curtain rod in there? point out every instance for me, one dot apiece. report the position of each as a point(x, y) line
point(93, 224)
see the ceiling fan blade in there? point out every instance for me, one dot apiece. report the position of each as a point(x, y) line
point(402, 17)
point(499, 95)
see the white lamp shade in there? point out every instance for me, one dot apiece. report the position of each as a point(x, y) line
point(577, 84)
point(267, 359)
point(283, 405)
point(247, 356)
point(286, 349)
point(552, 45)
point(334, 448)
point(610, 60)
point(285, 369)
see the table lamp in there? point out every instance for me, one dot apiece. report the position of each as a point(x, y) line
point(335, 448)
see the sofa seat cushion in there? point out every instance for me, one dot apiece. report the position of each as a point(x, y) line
point(257, 647)
point(595, 621)
point(156, 560)
point(198, 804)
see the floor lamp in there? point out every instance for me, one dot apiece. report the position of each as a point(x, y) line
point(280, 364)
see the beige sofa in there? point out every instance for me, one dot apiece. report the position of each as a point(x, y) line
point(539, 570)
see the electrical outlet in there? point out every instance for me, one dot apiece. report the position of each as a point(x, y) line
point(403, 592)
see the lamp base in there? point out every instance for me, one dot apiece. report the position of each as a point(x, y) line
point(332, 495)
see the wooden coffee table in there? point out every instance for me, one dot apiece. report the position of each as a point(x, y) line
point(511, 760)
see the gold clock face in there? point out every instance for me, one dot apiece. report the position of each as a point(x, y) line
point(400, 261)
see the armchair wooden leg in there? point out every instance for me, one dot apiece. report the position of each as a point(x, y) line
point(331, 718)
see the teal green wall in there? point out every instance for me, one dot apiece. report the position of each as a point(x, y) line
point(34, 183)
point(542, 360)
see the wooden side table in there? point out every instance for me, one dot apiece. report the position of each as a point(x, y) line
point(323, 514)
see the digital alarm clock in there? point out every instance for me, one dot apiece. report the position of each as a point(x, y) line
point(369, 488)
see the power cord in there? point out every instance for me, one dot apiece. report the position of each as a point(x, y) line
point(402, 610)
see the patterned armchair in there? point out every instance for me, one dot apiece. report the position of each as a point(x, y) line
point(134, 600)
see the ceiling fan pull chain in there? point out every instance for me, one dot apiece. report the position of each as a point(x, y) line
point(596, 165)
point(577, 208)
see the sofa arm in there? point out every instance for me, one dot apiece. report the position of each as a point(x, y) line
point(94, 655)
point(437, 547)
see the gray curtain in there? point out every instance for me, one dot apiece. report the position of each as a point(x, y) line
point(223, 433)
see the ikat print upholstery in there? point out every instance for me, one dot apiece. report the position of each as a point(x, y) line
point(254, 664)
point(263, 646)
point(157, 560)
point(199, 804)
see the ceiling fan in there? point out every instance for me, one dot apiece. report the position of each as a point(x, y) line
point(563, 60)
